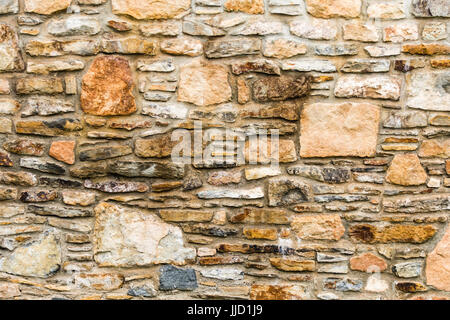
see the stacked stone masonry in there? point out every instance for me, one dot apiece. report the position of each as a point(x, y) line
point(93, 207)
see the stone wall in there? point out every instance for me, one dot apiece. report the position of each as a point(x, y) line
point(93, 207)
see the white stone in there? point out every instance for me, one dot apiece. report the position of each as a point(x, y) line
point(222, 193)
point(309, 65)
point(261, 172)
point(427, 91)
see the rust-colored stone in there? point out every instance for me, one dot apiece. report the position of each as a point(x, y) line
point(107, 88)
point(392, 233)
point(63, 151)
point(426, 49)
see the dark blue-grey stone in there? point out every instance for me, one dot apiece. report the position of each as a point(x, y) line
point(172, 278)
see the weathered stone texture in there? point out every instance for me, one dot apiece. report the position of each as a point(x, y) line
point(347, 129)
point(107, 88)
point(322, 169)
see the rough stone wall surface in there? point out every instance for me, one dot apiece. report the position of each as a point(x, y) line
point(93, 207)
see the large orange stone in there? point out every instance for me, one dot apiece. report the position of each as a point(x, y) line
point(107, 88)
point(368, 262)
point(406, 170)
point(438, 264)
point(63, 151)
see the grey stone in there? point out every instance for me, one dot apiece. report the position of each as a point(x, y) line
point(231, 48)
point(286, 191)
point(172, 278)
point(407, 269)
point(344, 285)
point(146, 169)
point(104, 153)
point(405, 119)
point(45, 107)
point(42, 165)
point(431, 8)
point(146, 291)
point(336, 50)
point(9, 6)
point(74, 25)
point(364, 66)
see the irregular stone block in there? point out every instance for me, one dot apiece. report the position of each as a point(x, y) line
point(107, 88)
point(46, 7)
point(319, 227)
point(141, 238)
point(406, 170)
point(334, 8)
point(280, 88)
point(428, 91)
point(437, 263)
point(204, 84)
point(286, 191)
point(376, 87)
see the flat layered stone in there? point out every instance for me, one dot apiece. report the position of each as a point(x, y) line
point(58, 211)
point(334, 8)
point(406, 170)
point(383, 51)
point(116, 186)
point(293, 264)
point(223, 193)
point(366, 233)
point(56, 48)
point(197, 28)
point(140, 238)
point(78, 198)
point(280, 88)
point(160, 28)
point(279, 292)
point(186, 215)
point(375, 87)
point(182, 47)
point(100, 281)
point(286, 191)
point(204, 84)
point(427, 49)
point(54, 66)
point(334, 50)
point(323, 174)
point(427, 91)
point(231, 48)
point(44, 106)
point(259, 66)
point(46, 7)
point(436, 271)
point(103, 153)
point(41, 258)
point(247, 6)
point(42, 165)
point(38, 196)
point(315, 29)
point(261, 216)
point(18, 178)
point(366, 66)
point(309, 65)
point(36, 85)
point(259, 27)
point(350, 129)
point(52, 128)
point(10, 57)
point(283, 48)
point(159, 146)
point(420, 204)
point(132, 45)
point(285, 110)
point(318, 227)
point(260, 233)
point(103, 96)
point(63, 151)
point(219, 178)
point(162, 170)
point(74, 25)
point(152, 9)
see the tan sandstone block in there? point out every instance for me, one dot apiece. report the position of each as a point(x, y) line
point(347, 129)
